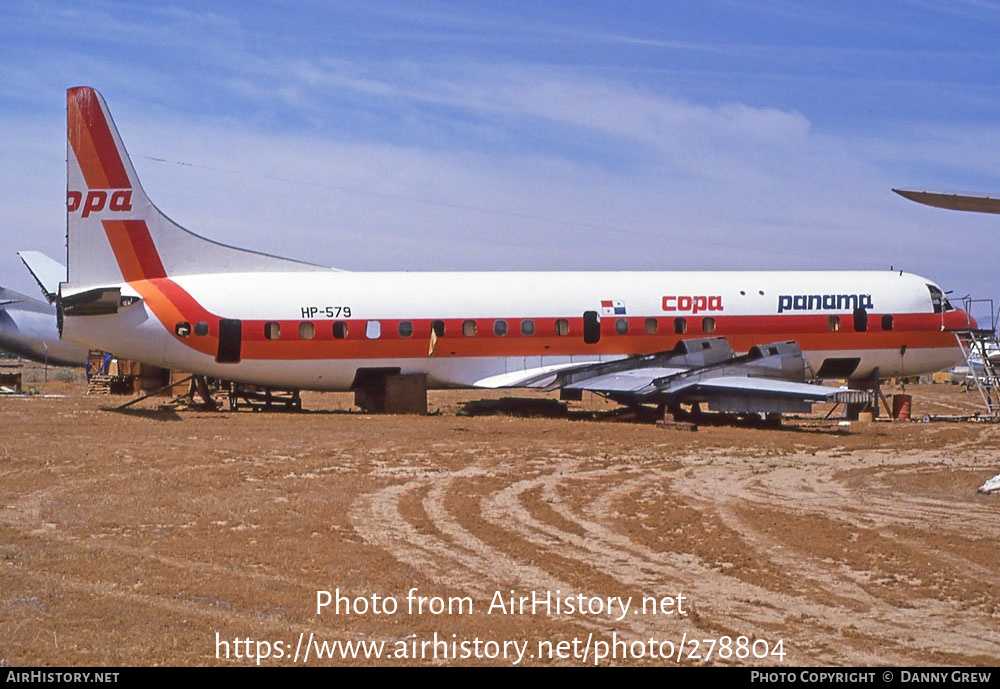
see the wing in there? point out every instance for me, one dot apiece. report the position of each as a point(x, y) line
point(769, 378)
point(955, 202)
point(9, 296)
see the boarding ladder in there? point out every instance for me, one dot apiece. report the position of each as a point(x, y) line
point(978, 345)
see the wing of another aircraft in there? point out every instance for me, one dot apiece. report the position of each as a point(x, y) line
point(768, 379)
point(9, 296)
point(954, 202)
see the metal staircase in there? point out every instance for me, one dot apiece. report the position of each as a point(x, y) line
point(978, 345)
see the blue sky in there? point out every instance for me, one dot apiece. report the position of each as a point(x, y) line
point(524, 135)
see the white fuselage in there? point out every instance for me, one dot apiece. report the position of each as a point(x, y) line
point(500, 326)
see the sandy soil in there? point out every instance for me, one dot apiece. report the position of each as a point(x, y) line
point(173, 537)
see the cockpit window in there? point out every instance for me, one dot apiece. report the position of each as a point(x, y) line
point(938, 300)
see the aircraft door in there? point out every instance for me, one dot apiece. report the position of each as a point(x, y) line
point(230, 340)
point(591, 327)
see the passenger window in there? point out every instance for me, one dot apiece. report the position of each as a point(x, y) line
point(500, 328)
point(469, 328)
point(860, 320)
point(340, 330)
point(272, 330)
point(201, 328)
point(833, 323)
point(527, 327)
point(306, 330)
point(708, 325)
point(405, 329)
point(652, 326)
point(887, 322)
point(621, 326)
point(438, 328)
point(373, 330)
point(183, 329)
point(680, 325)
point(562, 326)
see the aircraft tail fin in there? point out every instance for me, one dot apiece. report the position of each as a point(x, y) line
point(113, 231)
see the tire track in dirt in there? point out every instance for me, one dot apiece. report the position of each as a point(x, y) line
point(811, 488)
point(539, 511)
point(723, 601)
point(455, 556)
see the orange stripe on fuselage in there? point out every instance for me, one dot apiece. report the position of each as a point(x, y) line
point(160, 295)
point(141, 267)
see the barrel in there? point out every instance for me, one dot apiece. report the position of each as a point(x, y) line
point(901, 406)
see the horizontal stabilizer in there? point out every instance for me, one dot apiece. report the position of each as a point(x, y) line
point(48, 272)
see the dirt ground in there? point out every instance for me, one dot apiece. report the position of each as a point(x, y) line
point(160, 537)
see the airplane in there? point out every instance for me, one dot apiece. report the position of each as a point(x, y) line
point(142, 286)
point(28, 329)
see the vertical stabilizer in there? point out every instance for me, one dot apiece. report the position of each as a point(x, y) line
point(113, 232)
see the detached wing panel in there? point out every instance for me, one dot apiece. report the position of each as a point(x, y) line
point(735, 394)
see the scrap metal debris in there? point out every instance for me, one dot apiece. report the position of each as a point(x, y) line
point(991, 486)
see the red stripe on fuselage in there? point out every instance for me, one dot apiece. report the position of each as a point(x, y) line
point(172, 304)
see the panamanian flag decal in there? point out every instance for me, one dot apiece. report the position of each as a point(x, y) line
point(612, 307)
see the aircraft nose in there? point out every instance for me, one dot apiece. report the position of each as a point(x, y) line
point(960, 320)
